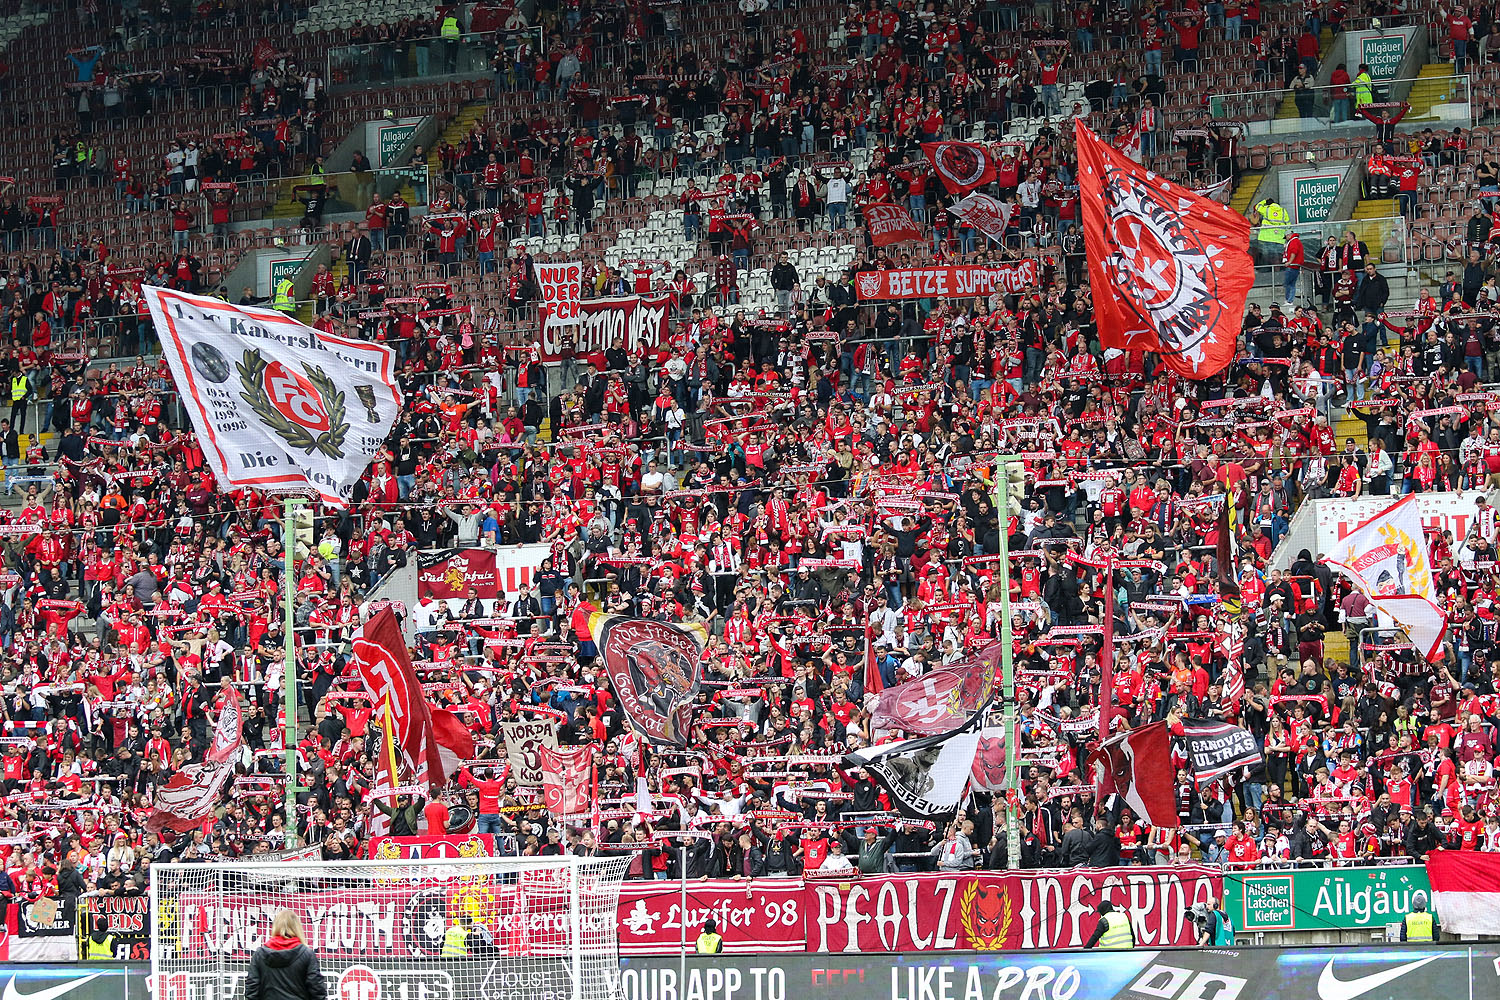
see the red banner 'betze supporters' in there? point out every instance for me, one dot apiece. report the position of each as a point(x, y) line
point(636, 321)
point(995, 910)
point(945, 282)
point(760, 915)
point(449, 573)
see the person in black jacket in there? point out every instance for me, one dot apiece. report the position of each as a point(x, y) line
point(285, 968)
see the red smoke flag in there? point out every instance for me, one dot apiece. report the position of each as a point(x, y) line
point(385, 667)
point(1170, 269)
point(1137, 766)
point(963, 166)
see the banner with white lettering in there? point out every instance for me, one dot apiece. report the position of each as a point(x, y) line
point(278, 406)
point(961, 282)
point(633, 321)
point(891, 224)
point(1216, 748)
point(763, 914)
point(1004, 910)
point(561, 288)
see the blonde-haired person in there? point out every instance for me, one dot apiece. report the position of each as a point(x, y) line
point(285, 968)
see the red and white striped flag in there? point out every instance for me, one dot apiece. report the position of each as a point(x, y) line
point(1466, 890)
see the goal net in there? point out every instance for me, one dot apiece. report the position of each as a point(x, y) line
point(460, 929)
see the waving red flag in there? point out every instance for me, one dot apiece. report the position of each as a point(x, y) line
point(385, 667)
point(1137, 766)
point(1169, 268)
point(963, 166)
point(891, 224)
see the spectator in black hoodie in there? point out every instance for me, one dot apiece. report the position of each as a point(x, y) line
point(285, 968)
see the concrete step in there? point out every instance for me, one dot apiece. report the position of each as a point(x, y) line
point(1244, 190)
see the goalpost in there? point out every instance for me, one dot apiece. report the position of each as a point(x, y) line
point(439, 929)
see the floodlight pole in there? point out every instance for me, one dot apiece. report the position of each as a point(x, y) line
point(1007, 662)
point(289, 673)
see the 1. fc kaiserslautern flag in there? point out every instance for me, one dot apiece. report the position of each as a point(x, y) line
point(278, 406)
point(1170, 269)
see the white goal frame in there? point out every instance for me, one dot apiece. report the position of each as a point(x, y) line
point(575, 958)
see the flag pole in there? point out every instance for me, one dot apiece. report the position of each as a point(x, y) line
point(1007, 663)
point(1107, 653)
point(289, 673)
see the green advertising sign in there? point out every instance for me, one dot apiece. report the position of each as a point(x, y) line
point(1313, 197)
point(391, 139)
point(285, 267)
point(1322, 898)
point(1382, 53)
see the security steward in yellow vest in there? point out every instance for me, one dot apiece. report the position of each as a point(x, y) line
point(1419, 925)
point(710, 942)
point(100, 945)
point(456, 938)
point(20, 388)
point(284, 302)
point(1271, 233)
point(1114, 932)
point(449, 29)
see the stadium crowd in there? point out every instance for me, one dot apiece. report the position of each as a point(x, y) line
point(804, 480)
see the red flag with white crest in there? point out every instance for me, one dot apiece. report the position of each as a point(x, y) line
point(1170, 270)
point(385, 667)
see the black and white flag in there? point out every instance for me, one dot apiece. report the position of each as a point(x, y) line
point(1217, 748)
point(925, 777)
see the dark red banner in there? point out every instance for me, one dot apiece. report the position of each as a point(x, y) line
point(763, 914)
point(635, 321)
point(444, 574)
point(1003, 910)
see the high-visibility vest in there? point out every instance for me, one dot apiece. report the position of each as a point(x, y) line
point(99, 951)
point(18, 388)
point(449, 30)
point(283, 300)
point(1117, 935)
point(1273, 222)
point(456, 942)
point(710, 944)
point(1419, 926)
point(1364, 90)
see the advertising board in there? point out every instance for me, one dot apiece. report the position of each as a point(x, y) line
point(1386, 973)
point(1322, 898)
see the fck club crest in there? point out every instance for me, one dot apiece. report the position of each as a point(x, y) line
point(1165, 273)
point(305, 410)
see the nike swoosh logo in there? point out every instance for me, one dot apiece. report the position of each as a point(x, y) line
point(50, 993)
point(1330, 987)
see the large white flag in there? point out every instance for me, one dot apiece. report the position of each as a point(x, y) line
point(277, 405)
point(1386, 558)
